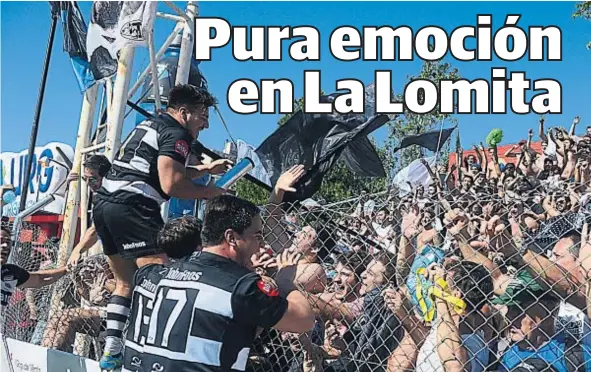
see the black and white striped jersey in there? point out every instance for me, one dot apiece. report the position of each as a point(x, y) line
point(203, 318)
point(146, 280)
point(134, 173)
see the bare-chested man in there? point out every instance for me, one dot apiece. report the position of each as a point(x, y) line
point(310, 275)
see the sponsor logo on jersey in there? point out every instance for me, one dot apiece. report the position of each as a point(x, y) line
point(134, 245)
point(182, 148)
point(268, 286)
point(176, 274)
point(149, 285)
point(136, 362)
point(157, 367)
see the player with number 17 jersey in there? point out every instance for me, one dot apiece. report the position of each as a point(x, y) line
point(203, 317)
point(142, 302)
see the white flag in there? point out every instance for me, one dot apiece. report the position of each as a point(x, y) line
point(416, 174)
point(113, 26)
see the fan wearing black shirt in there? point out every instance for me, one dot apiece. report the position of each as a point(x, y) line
point(208, 308)
point(14, 276)
point(148, 169)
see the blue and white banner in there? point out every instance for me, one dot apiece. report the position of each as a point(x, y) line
point(48, 176)
point(187, 207)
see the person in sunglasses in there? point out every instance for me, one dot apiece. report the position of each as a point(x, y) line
point(94, 170)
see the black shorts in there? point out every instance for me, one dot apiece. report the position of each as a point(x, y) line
point(128, 230)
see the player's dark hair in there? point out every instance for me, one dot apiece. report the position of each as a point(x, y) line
point(99, 163)
point(180, 237)
point(226, 212)
point(189, 96)
point(575, 237)
point(475, 283)
point(356, 261)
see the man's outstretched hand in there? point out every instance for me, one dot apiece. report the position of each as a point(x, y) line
point(288, 179)
point(287, 268)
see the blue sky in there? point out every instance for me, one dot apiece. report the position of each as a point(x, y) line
point(25, 25)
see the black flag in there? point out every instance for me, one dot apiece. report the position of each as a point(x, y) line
point(317, 142)
point(74, 28)
point(433, 140)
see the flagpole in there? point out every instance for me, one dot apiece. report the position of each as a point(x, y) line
point(35, 127)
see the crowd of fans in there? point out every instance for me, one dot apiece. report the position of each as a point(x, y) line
point(486, 268)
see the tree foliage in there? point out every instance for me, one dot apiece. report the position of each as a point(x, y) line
point(252, 192)
point(583, 10)
point(410, 123)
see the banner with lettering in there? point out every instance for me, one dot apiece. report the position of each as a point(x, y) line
point(48, 176)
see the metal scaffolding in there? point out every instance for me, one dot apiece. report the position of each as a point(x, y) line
point(116, 93)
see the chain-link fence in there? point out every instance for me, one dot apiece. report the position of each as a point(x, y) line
point(33, 252)
point(472, 279)
point(475, 279)
point(67, 315)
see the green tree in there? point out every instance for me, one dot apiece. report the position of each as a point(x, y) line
point(583, 10)
point(252, 192)
point(410, 123)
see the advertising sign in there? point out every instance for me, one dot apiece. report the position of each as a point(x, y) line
point(26, 357)
point(48, 177)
